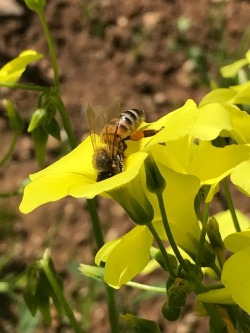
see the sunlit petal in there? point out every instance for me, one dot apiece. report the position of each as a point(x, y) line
point(12, 71)
point(74, 175)
point(128, 257)
point(236, 277)
point(238, 240)
point(240, 177)
point(226, 225)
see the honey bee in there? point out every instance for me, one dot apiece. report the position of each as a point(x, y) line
point(109, 132)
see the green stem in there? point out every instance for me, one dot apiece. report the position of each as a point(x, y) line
point(24, 86)
point(215, 318)
point(231, 205)
point(52, 50)
point(163, 250)
point(146, 287)
point(113, 315)
point(11, 193)
point(95, 223)
point(10, 150)
point(59, 294)
point(202, 235)
point(169, 233)
point(66, 122)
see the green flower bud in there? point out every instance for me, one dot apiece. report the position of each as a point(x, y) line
point(92, 271)
point(36, 119)
point(155, 182)
point(177, 292)
point(133, 199)
point(140, 211)
point(215, 239)
point(157, 255)
point(16, 121)
point(36, 5)
point(170, 313)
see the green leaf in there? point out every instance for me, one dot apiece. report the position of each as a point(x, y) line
point(27, 322)
point(140, 325)
point(54, 129)
point(37, 119)
point(44, 292)
point(12, 71)
point(31, 301)
point(40, 137)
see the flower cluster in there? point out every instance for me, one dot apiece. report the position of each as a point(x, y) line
point(196, 148)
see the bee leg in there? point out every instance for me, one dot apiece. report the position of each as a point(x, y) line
point(138, 135)
point(119, 161)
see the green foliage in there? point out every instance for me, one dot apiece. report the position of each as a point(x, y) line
point(140, 325)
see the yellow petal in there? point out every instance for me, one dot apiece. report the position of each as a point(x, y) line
point(221, 296)
point(236, 277)
point(225, 221)
point(233, 69)
point(211, 164)
point(12, 71)
point(75, 175)
point(212, 119)
point(181, 189)
point(174, 125)
point(129, 257)
point(240, 177)
point(219, 95)
point(238, 240)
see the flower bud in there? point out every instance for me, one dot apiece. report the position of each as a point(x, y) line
point(215, 239)
point(137, 207)
point(36, 119)
point(155, 182)
point(16, 121)
point(92, 271)
point(177, 292)
point(170, 313)
point(36, 5)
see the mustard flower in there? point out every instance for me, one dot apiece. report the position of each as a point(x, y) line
point(132, 251)
point(235, 274)
point(75, 175)
point(185, 163)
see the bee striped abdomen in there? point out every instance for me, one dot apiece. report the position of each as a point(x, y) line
point(131, 119)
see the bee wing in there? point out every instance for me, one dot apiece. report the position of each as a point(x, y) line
point(113, 111)
point(96, 123)
point(99, 119)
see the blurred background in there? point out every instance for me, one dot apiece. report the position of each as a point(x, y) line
point(150, 54)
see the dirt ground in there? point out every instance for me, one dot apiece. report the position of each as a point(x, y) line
point(151, 54)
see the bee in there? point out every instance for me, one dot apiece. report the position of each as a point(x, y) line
point(109, 132)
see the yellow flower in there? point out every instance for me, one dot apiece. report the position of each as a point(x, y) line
point(75, 175)
point(12, 71)
point(235, 274)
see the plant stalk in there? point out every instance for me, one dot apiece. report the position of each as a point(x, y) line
point(231, 205)
point(59, 294)
point(169, 233)
point(113, 315)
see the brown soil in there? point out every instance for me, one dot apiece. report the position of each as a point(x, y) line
point(134, 50)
